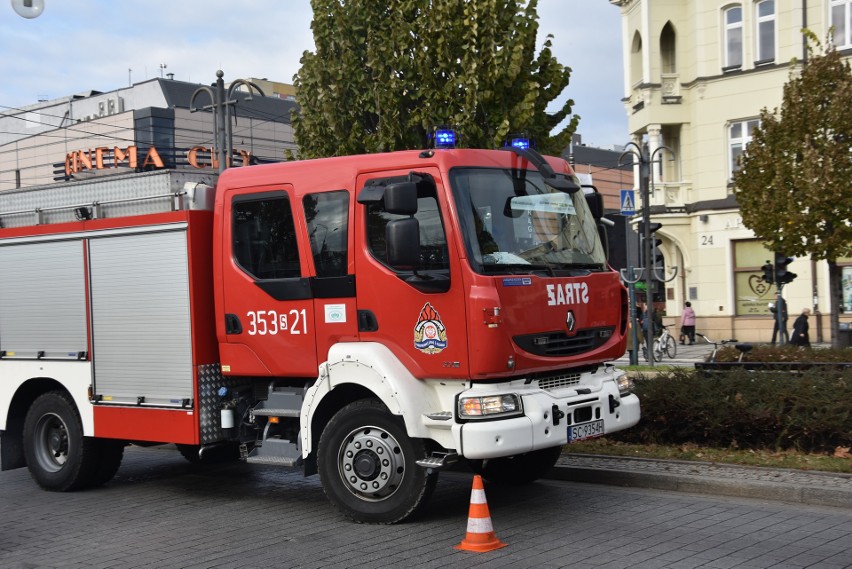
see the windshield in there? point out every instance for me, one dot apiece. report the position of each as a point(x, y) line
point(513, 222)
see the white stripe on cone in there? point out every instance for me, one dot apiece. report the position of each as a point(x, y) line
point(479, 525)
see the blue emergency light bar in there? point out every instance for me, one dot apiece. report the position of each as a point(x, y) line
point(445, 138)
point(523, 143)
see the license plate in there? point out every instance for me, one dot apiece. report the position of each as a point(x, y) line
point(586, 430)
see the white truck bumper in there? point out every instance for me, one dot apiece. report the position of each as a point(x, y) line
point(549, 419)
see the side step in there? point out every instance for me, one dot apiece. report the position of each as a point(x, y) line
point(281, 444)
point(275, 460)
point(438, 460)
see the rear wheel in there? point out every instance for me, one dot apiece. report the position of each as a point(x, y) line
point(658, 350)
point(521, 468)
point(111, 453)
point(367, 464)
point(58, 456)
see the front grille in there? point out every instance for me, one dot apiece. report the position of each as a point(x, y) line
point(559, 344)
point(559, 381)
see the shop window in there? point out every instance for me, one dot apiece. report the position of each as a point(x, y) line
point(753, 294)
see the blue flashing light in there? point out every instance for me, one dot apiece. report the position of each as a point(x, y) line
point(445, 138)
point(523, 143)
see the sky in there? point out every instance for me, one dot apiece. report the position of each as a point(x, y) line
point(76, 46)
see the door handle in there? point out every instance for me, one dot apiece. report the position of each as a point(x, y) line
point(232, 324)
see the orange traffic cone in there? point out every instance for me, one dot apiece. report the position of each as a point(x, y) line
point(480, 533)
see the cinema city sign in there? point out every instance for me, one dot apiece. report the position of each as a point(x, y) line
point(103, 157)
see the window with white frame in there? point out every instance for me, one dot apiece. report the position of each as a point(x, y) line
point(765, 12)
point(841, 19)
point(739, 135)
point(733, 37)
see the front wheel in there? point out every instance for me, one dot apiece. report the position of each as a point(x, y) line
point(671, 347)
point(58, 456)
point(366, 462)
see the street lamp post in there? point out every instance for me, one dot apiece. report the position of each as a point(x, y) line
point(221, 103)
point(648, 272)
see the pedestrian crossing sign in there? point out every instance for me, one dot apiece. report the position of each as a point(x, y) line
point(628, 202)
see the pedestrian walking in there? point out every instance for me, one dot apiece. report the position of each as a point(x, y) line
point(780, 304)
point(687, 324)
point(800, 336)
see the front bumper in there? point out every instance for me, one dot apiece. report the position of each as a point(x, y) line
point(547, 418)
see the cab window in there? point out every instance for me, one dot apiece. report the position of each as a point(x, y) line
point(433, 239)
point(327, 217)
point(264, 236)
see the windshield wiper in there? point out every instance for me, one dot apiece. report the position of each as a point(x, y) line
point(518, 268)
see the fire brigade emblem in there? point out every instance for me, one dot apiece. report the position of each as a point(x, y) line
point(430, 336)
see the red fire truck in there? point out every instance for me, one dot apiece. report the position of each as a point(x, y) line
point(372, 319)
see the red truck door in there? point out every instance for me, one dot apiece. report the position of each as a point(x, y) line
point(420, 317)
point(269, 311)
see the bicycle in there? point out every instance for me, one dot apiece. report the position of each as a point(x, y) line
point(742, 348)
point(665, 343)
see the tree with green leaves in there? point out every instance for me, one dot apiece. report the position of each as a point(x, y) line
point(793, 186)
point(384, 73)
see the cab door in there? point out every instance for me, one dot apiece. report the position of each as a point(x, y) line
point(268, 305)
point(419, 314)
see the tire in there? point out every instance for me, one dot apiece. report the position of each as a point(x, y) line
point(366, 462)
point(520, 469)
point(658, 351)
point(111, 453)
point(671, 347)
point(58, 456)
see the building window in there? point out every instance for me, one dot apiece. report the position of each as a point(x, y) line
point(753, 294)
point(846, 282)
point(765, 31)
point(739, 135)
point(667, 49)
point(733, 37)
point(841, 19)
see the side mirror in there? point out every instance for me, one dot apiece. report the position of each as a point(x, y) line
point(402, 238)
point(401, 198)
point(595, 203)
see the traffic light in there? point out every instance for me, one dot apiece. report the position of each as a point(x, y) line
point(652, 226)
point(782, 275)
point(768, 274)
point(656, 254)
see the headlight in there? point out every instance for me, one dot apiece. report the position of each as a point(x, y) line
point(625, 384)
point(490, 407)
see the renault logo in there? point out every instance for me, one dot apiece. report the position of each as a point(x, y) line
point(571, 322)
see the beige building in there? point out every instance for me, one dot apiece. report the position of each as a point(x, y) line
point(697, 73)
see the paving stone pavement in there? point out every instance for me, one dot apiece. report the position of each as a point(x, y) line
point(798, 486)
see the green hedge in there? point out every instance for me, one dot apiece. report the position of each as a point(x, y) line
point(767, 353)
point(809, 411)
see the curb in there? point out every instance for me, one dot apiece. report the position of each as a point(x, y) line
point(814, 494)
